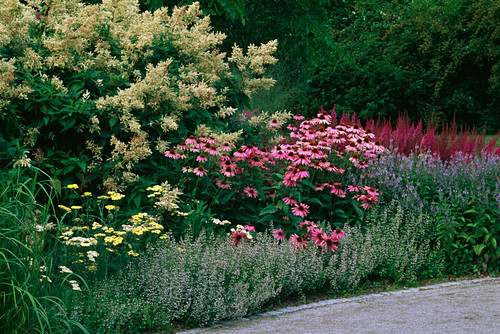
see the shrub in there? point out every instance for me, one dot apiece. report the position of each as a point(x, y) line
point(94, 94)
point(435, 60)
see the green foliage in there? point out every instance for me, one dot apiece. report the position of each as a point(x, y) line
point(31, 291)
point(469, 235)
point(96, 99)
point(434, 59)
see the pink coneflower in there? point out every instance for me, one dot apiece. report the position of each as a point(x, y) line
point(289, 181)
point(354, 188)
point(251, 192)
point(279, 234)
point(301, 210)
point(240, 153)
point(291, 127)
point(319, 187)
point(301, 173)
point(338, 191)
point(371, 191)
point(200, 171)
point(173, 154)
point(201, 158)
point(222, 184)
point(225, 147)
point(339, 233)
point(290, 201)
point(298, 241)
point(191, 140)
point(274, 123)
point(328, 243)
point(316, 165)
point(212, 150)
point(256, 162)
point(250, 228)
point(279, 155)
point(317, 154)
point(298, 117)
point(228, 171)
point(323, 162)
point(238, 237)
point(317, 236)
point(182, 146)
point(302, 159)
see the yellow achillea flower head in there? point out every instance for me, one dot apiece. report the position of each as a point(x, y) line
point(110, 207)
point(86, 194)
point(132, 253)
point(76, 207)
point(64, 208)
point(72, 186)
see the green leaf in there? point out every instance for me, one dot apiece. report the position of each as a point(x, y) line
point(226, 197)
point(68, 124)
point(113, 121)
point(470, 211)
point(271, 208)
point(315, 200)
point(478, 248)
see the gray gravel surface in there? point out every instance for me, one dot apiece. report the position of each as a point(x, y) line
point(459, 307)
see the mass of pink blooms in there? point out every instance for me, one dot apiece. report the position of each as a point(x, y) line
point(316, 151)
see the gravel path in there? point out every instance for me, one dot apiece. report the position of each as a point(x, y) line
point(459, 307)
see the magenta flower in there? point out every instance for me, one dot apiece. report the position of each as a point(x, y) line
point(298, 241)
point(354, 188)
point(274, 123)
point(174, 155)
point(201, 158)
point(290, 201)
point(200, 171)
point(317, 236)
point(191, 140)
point(250, 228)
point(251, 192)
point(298, 117)
point(301, 210)
point(329, 242)
point(222, 184)
point(238, 237)
point(279, 234)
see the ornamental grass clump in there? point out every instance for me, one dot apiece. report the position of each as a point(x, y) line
point(32, 286)
point(303, 176)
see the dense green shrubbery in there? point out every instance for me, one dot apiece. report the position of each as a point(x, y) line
point(434, 59)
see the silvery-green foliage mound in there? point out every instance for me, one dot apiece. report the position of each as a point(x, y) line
point(200, 282)
point(392, 244)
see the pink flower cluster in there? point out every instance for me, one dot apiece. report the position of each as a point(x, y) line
point(314, 235)
point(317, 151)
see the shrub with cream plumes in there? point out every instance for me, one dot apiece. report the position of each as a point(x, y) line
point(107, 87)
